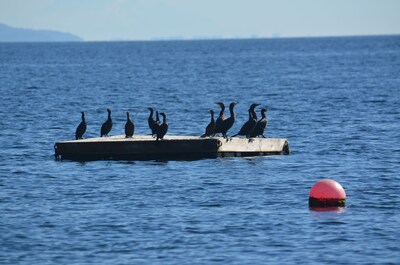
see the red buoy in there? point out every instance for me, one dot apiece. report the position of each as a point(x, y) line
point(327, 193)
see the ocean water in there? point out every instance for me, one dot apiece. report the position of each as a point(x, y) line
point(337, 101)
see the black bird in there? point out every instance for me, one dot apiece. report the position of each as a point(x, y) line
point(106, 127)
point(81, 129)
point(228, 123)
point(260, 126)
point(210, 127)
point(129, 127)
point(152, 122)
point(163, 128)
point(249, 125)
point(220, 119)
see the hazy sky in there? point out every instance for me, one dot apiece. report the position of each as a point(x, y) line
point(160, 19)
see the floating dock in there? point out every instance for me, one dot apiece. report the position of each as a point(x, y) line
point(145, 147)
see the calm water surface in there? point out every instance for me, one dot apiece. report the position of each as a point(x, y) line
point(337, 100)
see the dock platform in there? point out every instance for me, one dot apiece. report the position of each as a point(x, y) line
point(145, 147)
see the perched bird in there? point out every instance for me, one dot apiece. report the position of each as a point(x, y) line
point(228, 123)
point(152, 123)
point(210, 127)
point(252, 121)
point(106, 127)
point(260, 126)
point(220, 119)
point(129, 127)
point(163, 128)
point(81, 129)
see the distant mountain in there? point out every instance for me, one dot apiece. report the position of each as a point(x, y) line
point(11, 34)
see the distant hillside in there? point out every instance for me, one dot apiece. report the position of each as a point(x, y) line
point(10, 34)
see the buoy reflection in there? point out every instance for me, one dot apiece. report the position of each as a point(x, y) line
point(328, 209)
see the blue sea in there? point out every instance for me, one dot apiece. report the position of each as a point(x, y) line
point(336, 100)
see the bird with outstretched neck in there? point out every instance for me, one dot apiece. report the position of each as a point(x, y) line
point(250, 123)
point(210, 127)
point(260, 126)
point(107, 125)
point(81, 129)
point(220, 119)
point(228, 123)
point(152, 123)
point(129, 127)
point(163, 128)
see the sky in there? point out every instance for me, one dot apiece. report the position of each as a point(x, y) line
point(98, 20)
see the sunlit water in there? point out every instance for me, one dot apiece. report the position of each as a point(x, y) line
point(337, 101)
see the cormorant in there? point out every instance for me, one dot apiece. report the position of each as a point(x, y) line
point(260, 126)
point(106, 127)
point(81, 129)
point(210, 127)
point(129, 127)
point(152, 123)
point(227, 123)
point(220, 119)
point(163, 128)
point(249, 125)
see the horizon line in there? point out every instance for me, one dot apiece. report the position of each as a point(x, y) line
point(177, 39)
point(243, 38)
